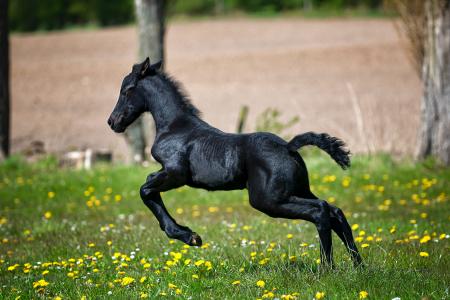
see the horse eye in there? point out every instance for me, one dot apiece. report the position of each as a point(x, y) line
point(128, 93)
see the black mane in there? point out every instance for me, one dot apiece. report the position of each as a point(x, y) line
point(181, 92)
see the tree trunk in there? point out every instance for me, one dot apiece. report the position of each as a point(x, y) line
point(151, 28)
point(4, 80)
point(434, 134)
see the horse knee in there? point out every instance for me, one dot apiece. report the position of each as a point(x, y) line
point(144, 192)
point(322, 218)
point(337, 213)
point(324, 207)
point(264, 206)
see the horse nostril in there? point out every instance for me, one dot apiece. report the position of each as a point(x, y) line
point(109, 121)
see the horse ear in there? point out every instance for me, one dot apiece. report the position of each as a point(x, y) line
point(157, 66)
point(145, 68)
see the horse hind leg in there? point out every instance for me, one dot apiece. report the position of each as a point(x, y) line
point(312, 210)
point(340, 225)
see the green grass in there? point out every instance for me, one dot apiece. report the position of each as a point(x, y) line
point(83, 232)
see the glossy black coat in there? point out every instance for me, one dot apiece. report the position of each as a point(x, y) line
point(196, 154)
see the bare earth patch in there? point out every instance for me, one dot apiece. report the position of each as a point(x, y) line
point(65, 84)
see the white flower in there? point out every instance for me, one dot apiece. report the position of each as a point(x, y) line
point(396, 298)
point(109, 293)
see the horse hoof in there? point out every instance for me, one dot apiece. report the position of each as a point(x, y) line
point(195, 240)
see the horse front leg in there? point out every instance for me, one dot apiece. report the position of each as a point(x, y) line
point(150, 194)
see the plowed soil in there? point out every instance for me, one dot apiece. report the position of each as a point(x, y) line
point(65, 84)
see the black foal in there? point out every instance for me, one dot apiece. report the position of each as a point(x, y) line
point(196, 154)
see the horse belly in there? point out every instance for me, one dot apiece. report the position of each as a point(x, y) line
point(217, 172)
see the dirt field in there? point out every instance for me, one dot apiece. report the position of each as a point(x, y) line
point(65, 84)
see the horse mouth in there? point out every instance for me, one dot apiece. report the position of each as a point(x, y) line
point(118, 129)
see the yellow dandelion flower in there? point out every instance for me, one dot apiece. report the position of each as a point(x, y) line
point(176, 255)
point(178, 291)
point(289, 236)
point(425, 239)
point(48, 215)
point(127, 281)
point(170, 263)
point(51, 195)
point(236, 282)
point(213, 209)
point(364, 245)
point(200, 262)
point(424, 254)
point(359, 239)
point(355, 226)
point(319, 295)
point(146, 265)
point(13, 267)
point(363, 295)
point(268, 295)
point(260, 283)
point(40, 283)
point(195, 276)
point(172, 286)
point(346, 182)
point(143, 295)
point(208, 265)
point(143, 278)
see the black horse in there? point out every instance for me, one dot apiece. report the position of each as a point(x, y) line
point(196, 154)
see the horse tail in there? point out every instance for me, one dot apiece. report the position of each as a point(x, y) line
point(335, 147)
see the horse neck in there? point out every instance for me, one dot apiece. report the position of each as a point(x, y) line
point(165, 105)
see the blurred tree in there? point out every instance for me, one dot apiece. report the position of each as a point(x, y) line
point(434, 135)
point(150, 16)
point(4, 80)
point(427, 26)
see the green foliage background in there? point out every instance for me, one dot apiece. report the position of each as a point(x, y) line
point(32, 15)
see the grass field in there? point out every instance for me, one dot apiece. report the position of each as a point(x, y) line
point(87, 235)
